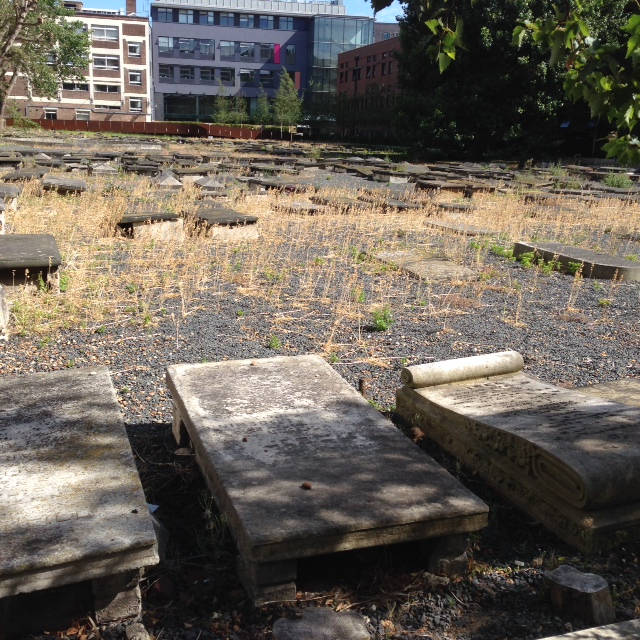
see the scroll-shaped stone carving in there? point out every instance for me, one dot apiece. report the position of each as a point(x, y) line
point(578, 453)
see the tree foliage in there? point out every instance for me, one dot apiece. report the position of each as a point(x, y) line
point(287, 108)
point(37, 41)
point(494, 100)
point(262, 113)
point(594, 45)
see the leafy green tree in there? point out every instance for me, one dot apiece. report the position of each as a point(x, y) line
point(239, 113)
point(37, 41)
point(594, 45)
point(262, 113)
point(494, 100)
point(287, 108)
point(221, 106)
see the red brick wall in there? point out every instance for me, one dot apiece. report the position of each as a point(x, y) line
point(374, 65)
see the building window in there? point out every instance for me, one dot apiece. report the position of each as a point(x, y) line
point(207, 74)
point(50, 114)
point(75, 86)
point(135, 77)
point(267, 78)
point(106, 62)
point(206, 17)
point(185, 16)
point(247, 20)
point(112, 107)
point(266, 22)
point(165, 15)
point(227, 50)
point(186, 45)
point(390, 63)
point(286, 22)
point(104, 33)
point(247, 76)
point(227, 19)
point(165, 45)
point(206, 48)
point(165, 72)
point(341, 76)
point(386, 35)
point(383, 68)
point(83, 114)
point(187, 73)
point(135, 49)
point(135, 104)
point(107, 88)
point(227, 75)
point(266, 52)
point(290, 54)
point(247, 49)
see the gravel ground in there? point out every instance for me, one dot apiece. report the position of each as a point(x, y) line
point(566, 335)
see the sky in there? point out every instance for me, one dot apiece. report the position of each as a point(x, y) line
point(354, 7)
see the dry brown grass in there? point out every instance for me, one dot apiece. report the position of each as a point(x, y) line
point(326, 258)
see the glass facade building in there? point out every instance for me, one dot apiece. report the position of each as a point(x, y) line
point(202, 48)
point(332, 36)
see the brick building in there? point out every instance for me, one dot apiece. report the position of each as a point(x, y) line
point(117, 84)
point(372, 67)
point(368, 89)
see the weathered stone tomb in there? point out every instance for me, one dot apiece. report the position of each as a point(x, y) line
point(302, 465)
point(569, 459)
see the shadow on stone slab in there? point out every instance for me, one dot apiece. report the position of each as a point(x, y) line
point(322, 624)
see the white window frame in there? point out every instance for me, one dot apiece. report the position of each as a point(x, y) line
point(137, 101)
point(135, 73)
point(101, 84)
point(108, 62)
point(99, 32)
point(137, 49)
point(83, 112)
point(50, 111)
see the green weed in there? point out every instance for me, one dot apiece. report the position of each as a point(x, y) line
point(382, 319)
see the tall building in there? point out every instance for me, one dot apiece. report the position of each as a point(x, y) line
point(117, 84)
point(203, 48)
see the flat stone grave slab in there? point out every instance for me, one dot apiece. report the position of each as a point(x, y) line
point(34, 173)
point(221, 216)
point(425, 267)
point(629, 630)
point(302, 465)
point(624, 391)
point(63, 185)
point(460, 229)
point(455, 206)
point(594, 265)
point(342, 203)
point(303, 208)
point(29, 258)
point(157, 225)
point(569, 459)
point(71, 503)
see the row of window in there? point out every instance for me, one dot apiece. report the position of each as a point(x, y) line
point(386, 68)
point(135, 106)
point(371, 58)
point(113, 34)
point(135, 77)
point(222, 75)
point(229, 50)
point(225, 19)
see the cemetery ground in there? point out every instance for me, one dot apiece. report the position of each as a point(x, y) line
point(313, 284)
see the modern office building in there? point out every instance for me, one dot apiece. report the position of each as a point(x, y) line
point(203, 48)
point(117, 84)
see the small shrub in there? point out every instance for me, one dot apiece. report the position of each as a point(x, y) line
point(604, 303)
point(618, 180)
point(274, 343)
point(359, 295)
point(239, 313)
point(382, 319)
point(502, 252)
point(574, 267)
point(64, 283)
point(527, 259)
